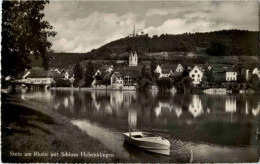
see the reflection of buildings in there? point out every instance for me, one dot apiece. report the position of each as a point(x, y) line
point(128, 97)
point(163, 107)
point(56, 106)
point(157, 111)
point(256, 111)
point(178, 112)
point(66, 102)
point(195, 107)
point(132, 118)
point(108, 109)
point(116, 99)
point(231, 104)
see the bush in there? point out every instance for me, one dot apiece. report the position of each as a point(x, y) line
point(164, 83)
point(62, 83)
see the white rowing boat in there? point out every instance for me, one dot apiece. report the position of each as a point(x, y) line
point(148, 142)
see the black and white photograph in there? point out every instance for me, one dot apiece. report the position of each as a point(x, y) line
point(130, 81)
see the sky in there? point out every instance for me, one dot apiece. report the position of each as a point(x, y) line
point(85, 25)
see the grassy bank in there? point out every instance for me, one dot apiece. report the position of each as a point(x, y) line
point(28, 128)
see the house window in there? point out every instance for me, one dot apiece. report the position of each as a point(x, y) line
point(198, 75)
point(192, 75)
point(196, 71)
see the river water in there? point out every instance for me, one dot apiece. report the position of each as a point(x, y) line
point(200, 127)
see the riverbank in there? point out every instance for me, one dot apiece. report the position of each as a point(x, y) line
point(31, 128)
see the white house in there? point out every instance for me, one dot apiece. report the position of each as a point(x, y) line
point(158, 69)
point(69, 75)
point(133, 59)
point(116, 81)
point(256, 71)
point(97, 73)
point(231, 75)
point(196, 74)
point(179, 68)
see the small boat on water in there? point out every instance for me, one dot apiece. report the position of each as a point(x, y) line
point(149, 142)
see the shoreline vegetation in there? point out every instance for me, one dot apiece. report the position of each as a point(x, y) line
point(32, 128)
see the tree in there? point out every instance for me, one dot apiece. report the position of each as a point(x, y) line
point(143, 83)
point(89, 74)
point(106, 80)
point(153, 66)
point(219, 47)
point(62, 83)
point(77, 74)
point(254, 82)
point(207, 77)
point(24, 34)
point(164, 83)
point(144, 73)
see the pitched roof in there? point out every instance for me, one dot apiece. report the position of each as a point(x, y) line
point(133, 73)
point(169, 66)
point(37, 72)
point(41, 72)
point(166, 70)
point(54, 74)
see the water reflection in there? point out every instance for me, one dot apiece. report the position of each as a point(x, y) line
point(225, 120)
point(195, 107)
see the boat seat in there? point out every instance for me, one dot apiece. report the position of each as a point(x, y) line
point(137, 136)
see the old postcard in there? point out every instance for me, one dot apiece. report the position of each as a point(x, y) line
point(130, 81)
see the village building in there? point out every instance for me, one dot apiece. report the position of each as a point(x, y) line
point(116, 81)
point(256, 71)
point(98, 73)
point(133, 59)
point(246, 73)
point(163, 72)
point(196, 75)
point(103, 70)
point(231, 74)
point(38, 75)
point(106, 69)
point(69, 74)
point(179, 68)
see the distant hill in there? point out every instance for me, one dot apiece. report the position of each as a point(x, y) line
point(232, 42)
point(217, 43)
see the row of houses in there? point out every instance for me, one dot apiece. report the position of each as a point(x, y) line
point(125, 77)
point(38, 75)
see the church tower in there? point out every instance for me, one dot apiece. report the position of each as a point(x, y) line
point(133, 59)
